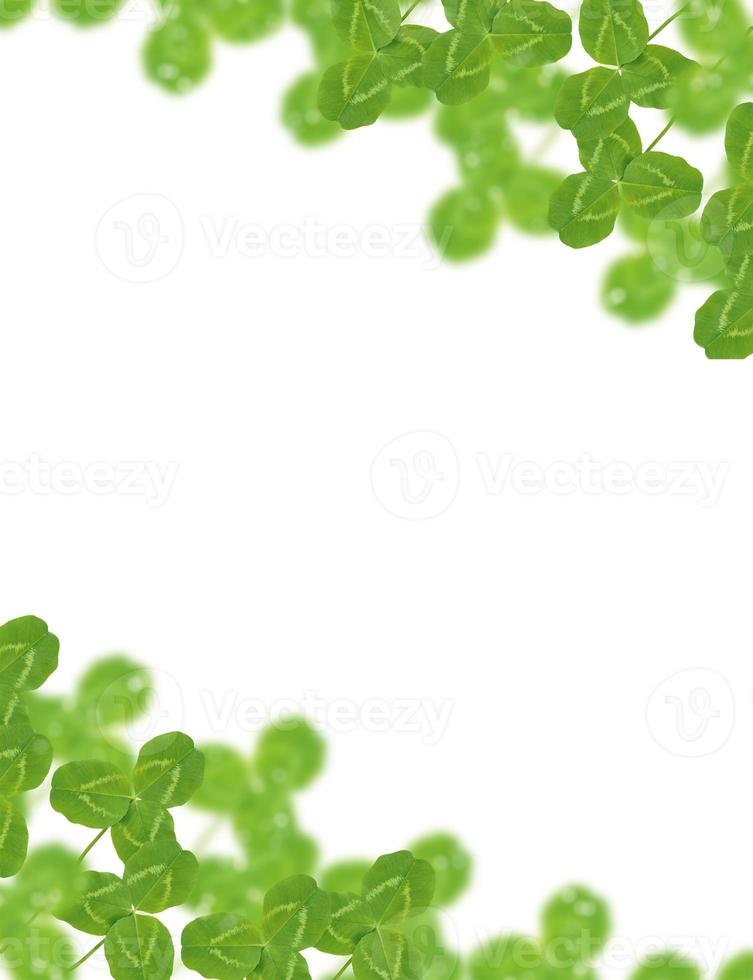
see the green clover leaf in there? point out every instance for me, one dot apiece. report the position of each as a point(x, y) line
point(28, 653)
point(101, 900)
point(223, 946)
point(93, 794)
point(139, 947)
point(14, 839)
point(613, 32)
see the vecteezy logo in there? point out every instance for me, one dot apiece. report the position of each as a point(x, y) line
point(679, 249)
point(416, 476)
point(692, 713)
point(140, 239)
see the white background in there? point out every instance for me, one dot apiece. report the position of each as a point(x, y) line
point(274, 568)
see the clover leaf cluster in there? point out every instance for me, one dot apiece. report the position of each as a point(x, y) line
point(158, 873)
point(455, 64)
point(254, 796)
point(724, 324)
point(28, 655)
point(492, 68)
point(260, 917)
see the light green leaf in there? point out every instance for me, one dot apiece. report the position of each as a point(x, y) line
point(116, 690)
point(84, 13)
point(101, 899)
point(529, 33)
point(28, 653)
point(649, 78)
point(613, 32)
point(224, 883)
point(296, 913)
point(702, 98)
point(354, 92)
point(241, 21)
point(402, 59)
point(635, 290)
point(456, 66)
point(507, 957)
point(738, 140)
point(396, 886)
point(145, 823)
point(289, 852)
point(93, 794)
point(407, 103)
point(301, 115)
point(527, 192)
point(222, 947)
point(43, 951)
point(739, 967)
point(12, 709)
point(49, 874)
point(386, 955)
point(13, 11)
point(727, 221)
point(178, 52)
point(584, 210)
point(666, 965)
point(724, 326)
point(169, 770)
point(25, 759)
point(290, 753)
point(608, 156)
point(344, 876)
point(592, 104)
point(712, 27)
point(463, 224)
point(451, 862)
point(226, 777)
point(139, 948)
point(575, 921)
point(659, 184)
point(14, 839)
point(160, 876)
point(367, 25)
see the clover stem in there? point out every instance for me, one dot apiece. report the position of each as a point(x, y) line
point(668, 21)
point(96, 840)
point(343, 969)
point(410, 10)
point(661, 135)
point(86, 957)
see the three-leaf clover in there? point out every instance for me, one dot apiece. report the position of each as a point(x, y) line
point(356, 91)
point(526, 33)
point(366, 926)
point(585, 207)
point(158, 873)
point(229, 946)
